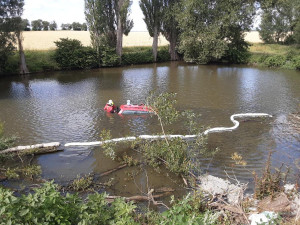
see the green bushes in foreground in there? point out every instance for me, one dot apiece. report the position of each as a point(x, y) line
point(47, 206)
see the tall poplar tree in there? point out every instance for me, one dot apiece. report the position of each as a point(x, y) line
point(170, 28)
point(108, 21)
point(153, 13)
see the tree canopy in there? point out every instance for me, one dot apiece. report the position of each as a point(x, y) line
point(107, 21)
point(210, 28)
point(279, 22)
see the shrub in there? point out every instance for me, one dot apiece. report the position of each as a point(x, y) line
point(70, 54)
point(138, 57)
point(275, 61)
point(47, 206)
point(163, 54)
point(237, 52)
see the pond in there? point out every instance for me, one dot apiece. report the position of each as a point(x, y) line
point(68, 106)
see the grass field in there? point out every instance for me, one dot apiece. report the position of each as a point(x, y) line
point(44, 40)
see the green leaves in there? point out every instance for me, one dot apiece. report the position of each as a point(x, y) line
point(209, 28)
point(70, 54)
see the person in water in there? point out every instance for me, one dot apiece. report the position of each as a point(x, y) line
point(110, 107)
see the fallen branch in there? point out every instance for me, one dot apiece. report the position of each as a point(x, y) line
point(113, 170)
point(140, 198)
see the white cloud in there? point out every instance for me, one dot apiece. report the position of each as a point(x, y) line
point(68, 11)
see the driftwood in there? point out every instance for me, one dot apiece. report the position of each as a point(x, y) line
point(34, 149)
point(113, 170)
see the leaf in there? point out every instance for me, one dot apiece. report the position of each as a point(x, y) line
point(23, 212)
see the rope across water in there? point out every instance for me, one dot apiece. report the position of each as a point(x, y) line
point(156, 137)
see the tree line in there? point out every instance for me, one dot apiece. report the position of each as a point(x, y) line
point(38, 25)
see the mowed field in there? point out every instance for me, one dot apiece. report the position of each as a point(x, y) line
point(44, 40)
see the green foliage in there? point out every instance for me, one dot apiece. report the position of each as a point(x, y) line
point(210, 28)
point(47, 206)
point(37, 25)
point(173, 154)
point(163, 55)
point(278, 21)
point(108, 56)
point(275, 61)
point(70, 54)
point(237, 53)
point(297, 33)
point(188, 211)
point(138, 57)
point(163, 106)
point(108, 146)
point(177, 155)
point(102, 18)
point(81, 183)
point(10, 23)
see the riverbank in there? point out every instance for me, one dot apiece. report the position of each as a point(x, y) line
point(275, 56)
point(44, 61)
point(262, 55)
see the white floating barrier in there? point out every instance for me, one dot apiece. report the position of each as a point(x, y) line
point(156, 137)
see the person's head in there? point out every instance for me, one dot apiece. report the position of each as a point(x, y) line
point(110, 102)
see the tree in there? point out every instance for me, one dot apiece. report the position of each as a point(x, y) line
point(37, 25)
point(210, 28)
point(153, 13)
point(107, 21)
point(11, 27)
point(279, 19)
point(66, 26)
point(122, 11)
point(25, 25)
point(45, 25)
point(84, 27)
point(53, 25)
point(170, 27)
point(76, 26)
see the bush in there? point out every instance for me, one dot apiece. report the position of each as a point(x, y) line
point(47, 206)
point(275, 61)
point(140, 57)
point(70, 54)
point(163, 54)
point(237, 52)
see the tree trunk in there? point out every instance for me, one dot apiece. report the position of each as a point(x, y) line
point(155, 43)
point(23, 66)
point(172, 48)
point(119, 31)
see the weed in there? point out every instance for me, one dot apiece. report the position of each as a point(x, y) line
point(11, 173)
point(81, 183)
point(269, 183)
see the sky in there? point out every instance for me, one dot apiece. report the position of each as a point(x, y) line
point(69, 11)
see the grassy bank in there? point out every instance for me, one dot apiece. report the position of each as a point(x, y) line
point(275, 56)
point(43, 60)
point(265, 55)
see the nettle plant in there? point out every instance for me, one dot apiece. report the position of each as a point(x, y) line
point(177, 155)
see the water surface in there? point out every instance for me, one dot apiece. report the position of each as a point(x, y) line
point(68, 106)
